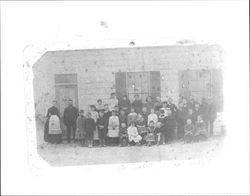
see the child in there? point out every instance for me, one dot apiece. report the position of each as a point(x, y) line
point(145, 114)
point(123, 135)
point(80, 132)
point(137, 104)
point(201, 133)
point(132, 116)
point(141, 127)
point(99, 105)
point(190, 115)
point(122, 117)
point(133, 136)
point(113, 127)
point(158, 132)
point(94, 115)
point(152, 116)
point(151, 133)
point(189, 131)
point(163, 129)
point(89, 127)
point(171, 124)
point(101, 123)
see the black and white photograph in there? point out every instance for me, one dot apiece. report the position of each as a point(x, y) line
point(121, 97)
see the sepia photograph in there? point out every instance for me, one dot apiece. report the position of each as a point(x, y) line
point(121, 97)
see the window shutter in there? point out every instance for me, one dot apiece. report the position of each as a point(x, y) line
point(155, 84)
point(120, 84)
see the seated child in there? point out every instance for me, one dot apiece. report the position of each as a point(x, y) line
point(141, 127)
point(151, 133)
point(133, 135)
point(123, 135)
point(201, 133)
point(189, 131)
point(80, 132)
point(132, 116)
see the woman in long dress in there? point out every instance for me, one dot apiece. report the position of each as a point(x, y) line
point(55, 132)
point(113, 128)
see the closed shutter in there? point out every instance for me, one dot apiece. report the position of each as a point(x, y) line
point(120, 84)
point(217, 88)
point(155, 84)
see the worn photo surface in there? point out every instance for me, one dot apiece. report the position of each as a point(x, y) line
point(122, 93)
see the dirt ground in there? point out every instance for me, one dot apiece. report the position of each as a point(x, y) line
point(72, 154)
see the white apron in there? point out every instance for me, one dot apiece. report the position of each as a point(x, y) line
point(54, 125)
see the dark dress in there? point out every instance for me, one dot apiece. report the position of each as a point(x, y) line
point(123, 119)
point(171, 124)
point(149, 106)
point(101, 131)
point(125, 105)
point(89, 127)
point(137, 104)
point(180, 123)
point(69, 118)
point(51, 111)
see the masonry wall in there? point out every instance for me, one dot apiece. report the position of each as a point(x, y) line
point(96, 69)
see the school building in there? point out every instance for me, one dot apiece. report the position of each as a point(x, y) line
point(87, 75)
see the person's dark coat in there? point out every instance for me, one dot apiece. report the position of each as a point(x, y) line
point(212, 113)
point(149, 106)
point(137, 104)
point(204, 111)
point(106, 116)
point(196, 113)
point(89, 127)
point(124, 104)
point(70, 115)
point(123, 119)
point(171, 123)
point(157, 106)
point(180, 117)
point(173, 108)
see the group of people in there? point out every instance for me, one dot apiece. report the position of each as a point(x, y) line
point(120, 122)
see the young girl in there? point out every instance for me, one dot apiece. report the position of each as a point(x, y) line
point(122, 117)
point(132, 116)
point(89, 127)
point(80, 132)
point(141, 127)
point(133, 136)
point(189, 131)
point(151, 133)
point(94, 115)
point(152, 116)
point(101, 123)
point(99, 105)
point(123, 135)
point(113, 128)
point(201, 133)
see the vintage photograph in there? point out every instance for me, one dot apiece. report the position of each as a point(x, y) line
point(129, 104)
point(124, 97)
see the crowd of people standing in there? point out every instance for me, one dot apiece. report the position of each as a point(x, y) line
point(120, 122)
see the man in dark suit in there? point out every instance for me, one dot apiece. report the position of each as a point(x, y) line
point(69, 118)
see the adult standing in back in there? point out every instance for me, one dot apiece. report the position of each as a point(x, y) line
point(137, 104)
point(69, 118)
point(212, 115)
